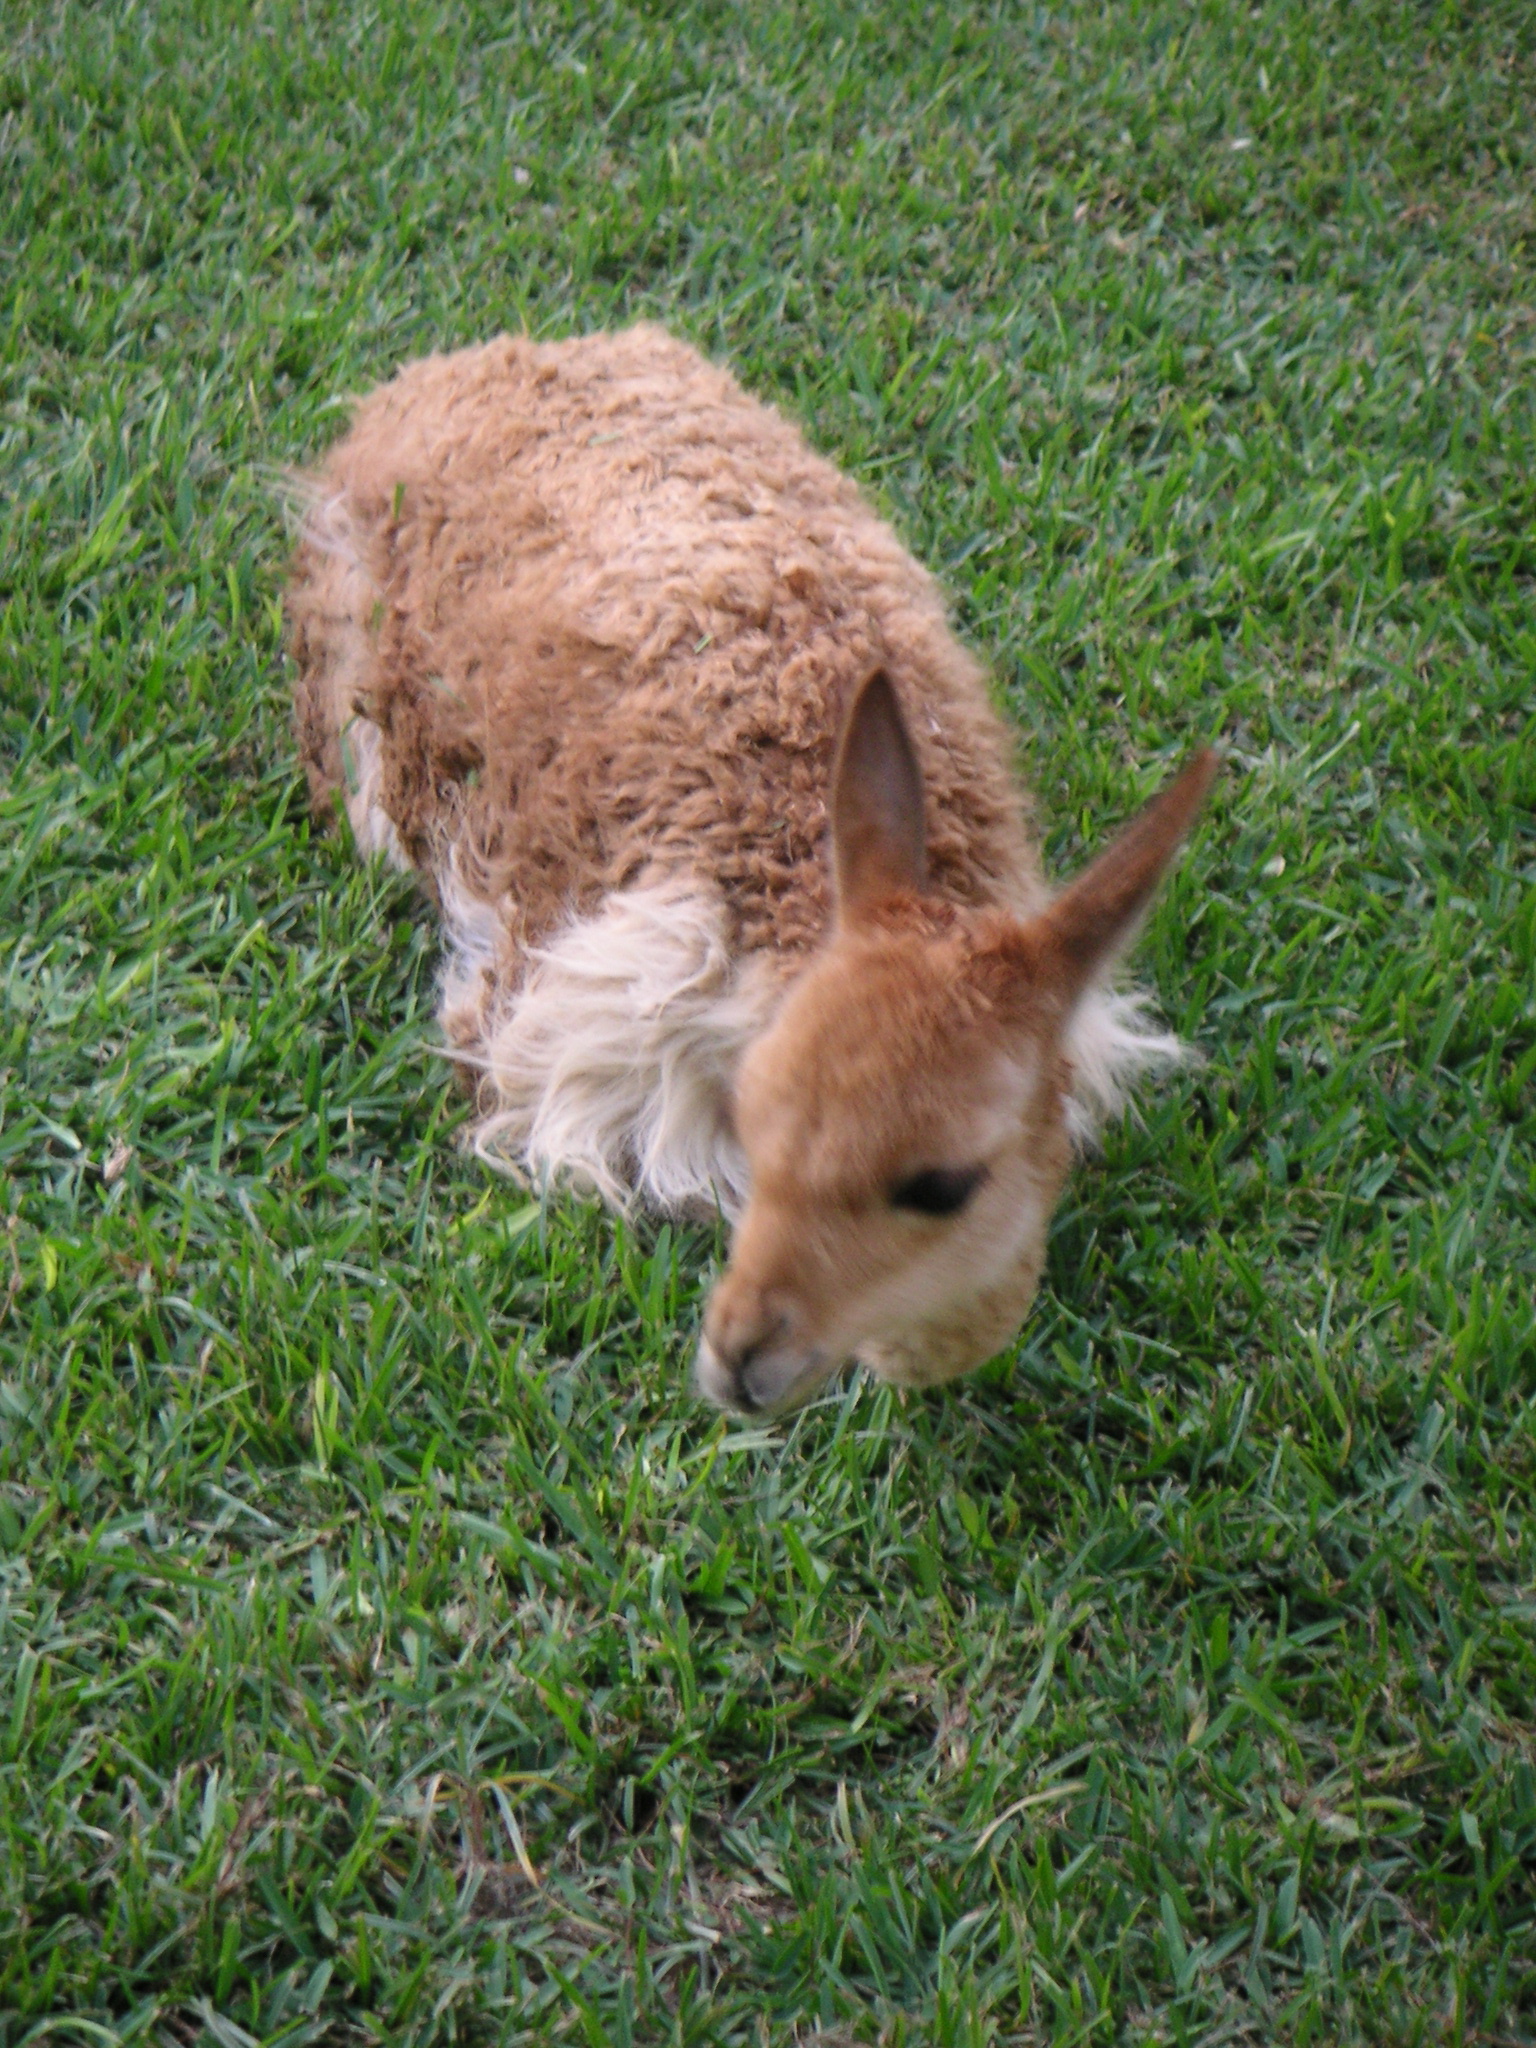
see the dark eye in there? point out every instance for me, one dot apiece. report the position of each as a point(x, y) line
point(938, 1190)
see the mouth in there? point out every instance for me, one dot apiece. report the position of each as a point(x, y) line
point(769, 1380)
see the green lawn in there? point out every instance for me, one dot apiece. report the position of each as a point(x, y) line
point(392, 1649)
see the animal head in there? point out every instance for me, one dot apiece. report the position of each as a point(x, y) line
point(906, 1117)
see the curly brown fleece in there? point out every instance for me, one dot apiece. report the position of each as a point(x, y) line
point(615, 609)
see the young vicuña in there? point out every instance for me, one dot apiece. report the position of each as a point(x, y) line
point(740, 907)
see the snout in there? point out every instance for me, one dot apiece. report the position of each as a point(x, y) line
point(752, 1357)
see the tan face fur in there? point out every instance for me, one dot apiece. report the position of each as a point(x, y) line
point(904, 1117)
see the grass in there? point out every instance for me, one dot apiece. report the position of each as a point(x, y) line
point(391, 1648)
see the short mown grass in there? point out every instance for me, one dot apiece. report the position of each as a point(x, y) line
point(392, 1649)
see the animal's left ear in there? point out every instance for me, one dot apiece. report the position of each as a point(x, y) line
point(877, 805)
point(1096, 917)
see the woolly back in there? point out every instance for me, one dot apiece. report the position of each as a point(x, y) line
point(616, 611)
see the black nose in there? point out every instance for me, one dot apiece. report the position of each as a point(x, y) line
point(738, 1350)
point(739, 1365)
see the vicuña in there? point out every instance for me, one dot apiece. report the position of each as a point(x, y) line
point(741, 910)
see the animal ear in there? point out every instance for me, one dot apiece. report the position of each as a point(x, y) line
point(877, 804)
point(1096, 917)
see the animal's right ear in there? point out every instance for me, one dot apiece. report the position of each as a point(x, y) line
point(1095, 918)
point(877, 805)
